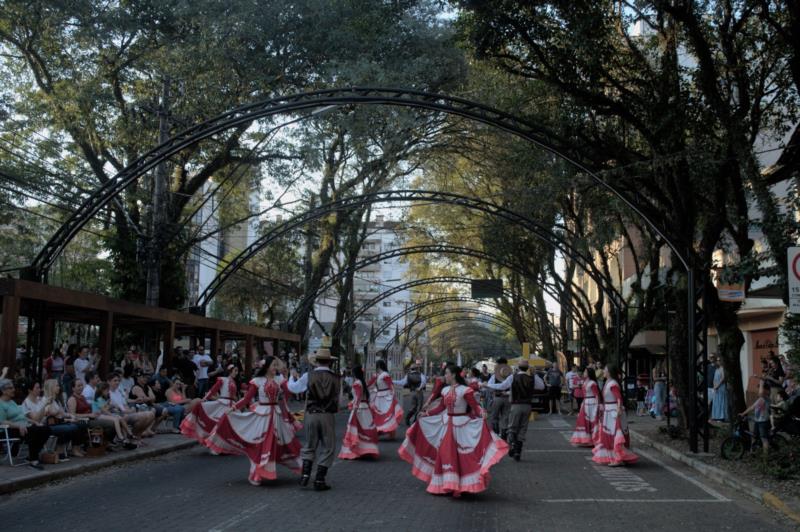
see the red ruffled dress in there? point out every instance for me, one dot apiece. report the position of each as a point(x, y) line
point(386, 410)
point(586, 425)
point(452, 448)
point(265, 433)
point(200, 422)
point(613, 439)
point(361, 436)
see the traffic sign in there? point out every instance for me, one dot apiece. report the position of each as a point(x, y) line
point(793, 256)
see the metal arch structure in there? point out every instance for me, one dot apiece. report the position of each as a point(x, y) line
point(450, 299)
point(452, 319)
point(545, 234)
point(449, 311)
point(428, 302)
point(443, 249)
point(309, 101)
point(697, 340)
point(350, 321)
point(411, 284)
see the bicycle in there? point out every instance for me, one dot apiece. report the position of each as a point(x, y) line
point(744, 440)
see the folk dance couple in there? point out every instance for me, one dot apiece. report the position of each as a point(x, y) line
point(375, 410)
point(520, 389)
point(450, 447)
point(602, 423)
point(266, 433)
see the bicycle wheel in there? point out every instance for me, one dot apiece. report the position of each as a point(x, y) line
point(732, 448)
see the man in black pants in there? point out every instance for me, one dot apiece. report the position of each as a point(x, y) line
point(322, 388)
point(500, 406)
point(554, 379)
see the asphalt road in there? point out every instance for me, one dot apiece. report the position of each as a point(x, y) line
point(554, 487)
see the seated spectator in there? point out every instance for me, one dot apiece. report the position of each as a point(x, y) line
point(62, 424)
point(142, 422)
point(33, 405)
point(101, 405)
point(143, 395)
point(21, 426)
point(127, 381)
point(92, 380)
point(160, 383)
point(176, 396)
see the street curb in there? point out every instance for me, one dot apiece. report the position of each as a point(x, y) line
point(723, 477)
point(43, 477)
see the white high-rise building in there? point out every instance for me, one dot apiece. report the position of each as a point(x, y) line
point(369, 282)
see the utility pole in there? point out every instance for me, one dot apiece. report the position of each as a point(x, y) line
point(158, 213)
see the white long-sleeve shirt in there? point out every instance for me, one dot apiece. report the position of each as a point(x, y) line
point(402, 382)
point(502, 386)
point(301, 385)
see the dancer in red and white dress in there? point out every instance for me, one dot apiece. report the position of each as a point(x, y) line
point(200, 422)
point(386, 410)
point(266, 432)
point(361, 436)
point(613, 439)
point(586, 429)
point(452, 448)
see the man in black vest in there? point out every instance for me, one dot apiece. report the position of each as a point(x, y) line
point(322, 388)
point(521, 385)
point(414, 381)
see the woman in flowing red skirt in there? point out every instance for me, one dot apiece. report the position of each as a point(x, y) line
point(200, 422)
point(613, 439)
point(386, 410)
point(452, 448)
point(266, 432)
point(361, 436)
point(586, 425)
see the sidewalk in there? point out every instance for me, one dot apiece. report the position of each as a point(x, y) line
point(645, 432)
point(16, 478)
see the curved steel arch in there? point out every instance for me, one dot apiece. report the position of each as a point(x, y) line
point(444, 249)
point(399, 288)
point(248, 113)
point(696, 326)
point(546, 235)
point(450, 299)
point(428, 302)
point(444, 312)
point(446, 321)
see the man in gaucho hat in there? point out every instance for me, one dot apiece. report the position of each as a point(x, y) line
point(500, 404)
point(321, 386)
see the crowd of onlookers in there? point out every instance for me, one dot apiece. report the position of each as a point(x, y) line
point(72, 405)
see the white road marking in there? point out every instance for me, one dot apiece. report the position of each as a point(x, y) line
point(556, 450)
point(559, 423)
point(647, 501)
point(684, 476)
point(243, 515)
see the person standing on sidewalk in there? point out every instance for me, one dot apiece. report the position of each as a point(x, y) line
point(573, 379)
point(414, 381)
point(322, 388)
point(500, 403)
point(554, 379)
point(203, 362)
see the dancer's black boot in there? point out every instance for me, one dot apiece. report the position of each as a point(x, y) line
point(319, 482)
point(306, 477)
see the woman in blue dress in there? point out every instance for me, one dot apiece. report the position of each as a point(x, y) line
point(719, 408)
